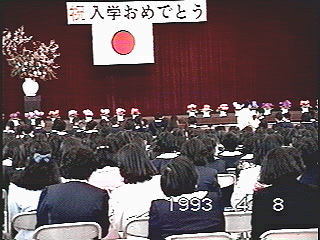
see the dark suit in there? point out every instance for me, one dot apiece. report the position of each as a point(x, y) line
point(73, 202)
point(167, 218)
point(208, 180)
point(287, 204)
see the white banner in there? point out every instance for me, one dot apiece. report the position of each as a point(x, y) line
point(118, 43)
point(138, 11)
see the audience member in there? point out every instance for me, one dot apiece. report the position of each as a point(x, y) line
point(75, 200)
point(287, 203)
point(27, 183)
point(184, 210)
point(133, 199)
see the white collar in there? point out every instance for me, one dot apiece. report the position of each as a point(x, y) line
point(198, 194)
point(65, 180)
point(168, 155)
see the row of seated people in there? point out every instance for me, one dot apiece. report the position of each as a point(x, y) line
point(65, 177)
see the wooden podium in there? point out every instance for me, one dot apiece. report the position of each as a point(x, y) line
point(32, 103)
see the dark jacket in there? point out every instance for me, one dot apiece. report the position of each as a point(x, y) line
point(169, 218)
point(288, 204)
point(73, 202)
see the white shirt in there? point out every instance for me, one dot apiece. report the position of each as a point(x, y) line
point(22, 200)
point(245, 184)
point(132, 201)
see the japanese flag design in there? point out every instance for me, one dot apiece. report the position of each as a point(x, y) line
point(122, 43)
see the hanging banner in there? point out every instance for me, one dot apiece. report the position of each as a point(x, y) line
point(122, 43)
point(136, 11)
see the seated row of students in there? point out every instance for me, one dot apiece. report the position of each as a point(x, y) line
point(126, 169)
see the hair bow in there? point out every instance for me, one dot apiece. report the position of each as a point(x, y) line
point(37, 157)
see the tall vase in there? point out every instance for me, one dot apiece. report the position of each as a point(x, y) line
point(30, 87)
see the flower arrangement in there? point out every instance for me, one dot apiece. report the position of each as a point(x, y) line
point(223, 108)
point(72, 113)
point(135, 111)
point(14, 115)
point(206, 110)
point(120, 111)
point(104, 111)
point(54, 114)
point(285, 104)
point(87, 113)
point(34, 114)
point(35, 63)
point(267, 105)
point(192, 110)
point(254, 105)
point(305, 103)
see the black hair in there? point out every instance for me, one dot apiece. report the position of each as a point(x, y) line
point(179, 177)
point(210, 145)
point(165, 142)
point(134, 164)
point(230, 141)
point(192, 120)
point(59, 125)
point(281, 164)
point(287, 115)
point(37, 176)
point(278, 116)
point(39, 168)
point(10, 147)
point(24, 129)
point(91, 125)
point(196, 151)
point(309, 150)
point(265, 144)
point(78, 163)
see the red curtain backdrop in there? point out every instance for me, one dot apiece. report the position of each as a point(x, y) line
point(259, 50)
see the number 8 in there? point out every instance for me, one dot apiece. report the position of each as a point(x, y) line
point(278, 204)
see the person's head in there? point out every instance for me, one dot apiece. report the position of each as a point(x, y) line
point(134, 164)
point(78, 163)
point(192, 120)
point(179, 177)
point(59, 125)
point(210, 145)
point(91, 125)
point(230, 141)
point(196, 151)
point(24, 129)
point(278, 117)
point(265, 144)
point(10, 147)
point(309, 150)
point(280, 164)
point(165, 142)
point(287, 116)
point(41, 171)
point(306, 117)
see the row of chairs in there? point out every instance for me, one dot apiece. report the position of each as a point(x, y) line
point(235, 222)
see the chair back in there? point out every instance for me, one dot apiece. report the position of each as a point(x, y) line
point(24, 221)
point(296, 234)
point(137, 228)
point(226, 179)
point(200, 236)
point(68, 231)
point(6, 222)
point(238, 222)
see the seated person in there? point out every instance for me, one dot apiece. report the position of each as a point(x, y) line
point(74, 200)
point(133, 199)
point(287, 203)
point(283, 120)
point(197, 153)
point(158, 125)
point(230, 155)
point(164, 149)
point(184, 210)
point(28, 182)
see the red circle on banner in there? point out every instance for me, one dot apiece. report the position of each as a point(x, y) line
point(123, 42)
